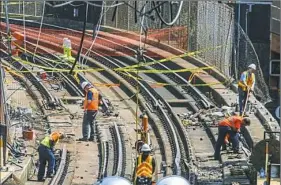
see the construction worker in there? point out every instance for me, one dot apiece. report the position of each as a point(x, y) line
point(231, 126)
point(145, 165)
point(91, 106)
point(46, 149)
point(246, 85)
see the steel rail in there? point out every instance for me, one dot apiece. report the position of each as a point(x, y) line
point(37, 83)
point(57, 178)
point(113, 63)
point(177, 78)
point(73, 87)
point(119, 151)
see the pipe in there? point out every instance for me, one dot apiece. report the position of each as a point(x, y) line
point(266, 157)
point(145, 128)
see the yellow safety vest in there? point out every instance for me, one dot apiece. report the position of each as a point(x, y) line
point(144, 169)
point(94, 105)
point(249, 80)
point(46, 142)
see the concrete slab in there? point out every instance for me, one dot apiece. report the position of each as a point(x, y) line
point(5, 176)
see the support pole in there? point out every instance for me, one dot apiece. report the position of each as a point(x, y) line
point(8, 28)
point(266, 156)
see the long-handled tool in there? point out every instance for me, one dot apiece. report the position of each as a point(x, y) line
point(246, 102)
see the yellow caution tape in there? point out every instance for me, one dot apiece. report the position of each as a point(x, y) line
point(168, 59)
point(166, 71)
point(128, 68)
point(52, 69)
point(41, 57)
point(76, 77)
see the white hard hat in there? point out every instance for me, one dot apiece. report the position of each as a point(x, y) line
point(252, 66)
point(84, 84)
point(113, 181)
point(145, 148)
point(173, 180)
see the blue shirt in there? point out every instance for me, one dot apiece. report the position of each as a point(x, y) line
point(89, 95)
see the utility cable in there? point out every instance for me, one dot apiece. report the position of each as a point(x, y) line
point(81, 43)
point(104, 6)
point(59, 5)
point(174, 20)
point(96, 34)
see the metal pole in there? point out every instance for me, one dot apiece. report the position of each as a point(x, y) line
point(238, 36)
point(8, 27)
point(266, 156)
point(35, 8)
point(246, 29)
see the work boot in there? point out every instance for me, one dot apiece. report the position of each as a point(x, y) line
point(92, 139)
point(50, 175)
point(82, 139)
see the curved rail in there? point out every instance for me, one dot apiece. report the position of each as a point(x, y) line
point(57, 178)
point(45, 92)
point(119, 150)
point(113, 63)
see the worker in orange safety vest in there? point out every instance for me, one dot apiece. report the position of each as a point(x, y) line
point(91, 107)
point(145, 166)
point(45, 150)
point(231, 126)
point(246, 85)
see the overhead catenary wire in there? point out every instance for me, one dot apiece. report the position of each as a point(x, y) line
point(176, 17)
point(105, 6)
point(59, 5)
point(95, 34)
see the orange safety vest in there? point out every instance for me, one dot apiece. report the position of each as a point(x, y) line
point(144, 169)
point(94, 105)
point(233, 121)
point(249, 81)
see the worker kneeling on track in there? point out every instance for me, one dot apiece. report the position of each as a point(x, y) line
point(46, 153)
point(145, 167)
point(232, 127)
point(91, 107)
